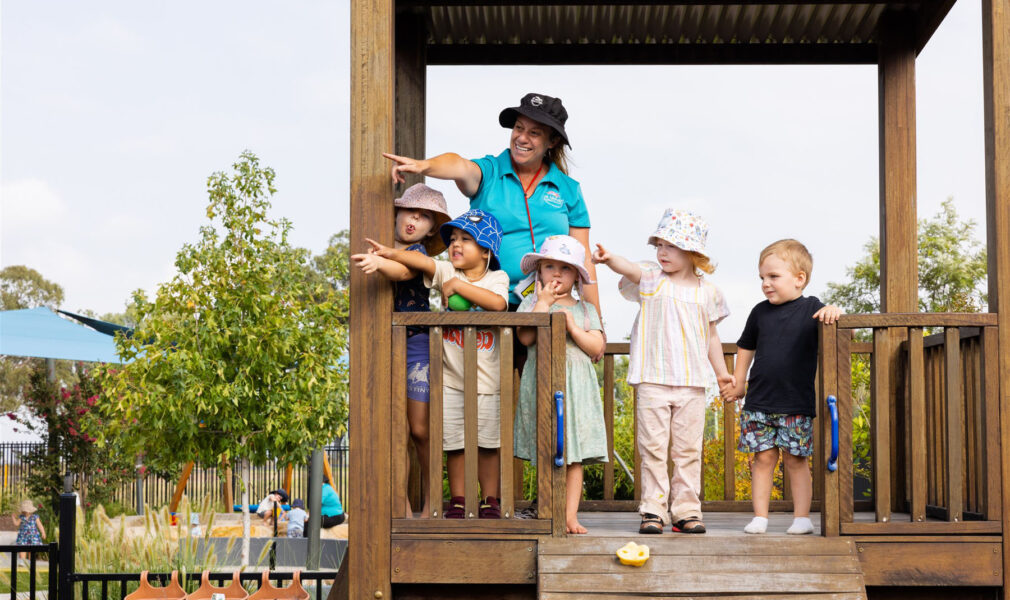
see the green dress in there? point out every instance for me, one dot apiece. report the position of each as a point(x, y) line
point(585, 429)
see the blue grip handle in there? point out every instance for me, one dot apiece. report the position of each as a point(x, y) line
point(833, 409)
point(559, 410)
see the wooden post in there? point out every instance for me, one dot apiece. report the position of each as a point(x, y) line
point(180, 487)
point(372, 120)
point(558, 383)
point(996, 98)
point(227, 485)
point(829, 384)
point(899, 274)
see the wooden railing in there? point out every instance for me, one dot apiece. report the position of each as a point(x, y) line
point(934, 425)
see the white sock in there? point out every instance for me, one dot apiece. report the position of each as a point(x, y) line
point(757, 525)
point(801, 526)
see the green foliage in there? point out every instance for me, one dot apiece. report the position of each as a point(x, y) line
point(240, 353)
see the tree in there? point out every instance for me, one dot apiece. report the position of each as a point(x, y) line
point(23, 287)
point(238, 355)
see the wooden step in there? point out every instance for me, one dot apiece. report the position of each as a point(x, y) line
point(709, 567)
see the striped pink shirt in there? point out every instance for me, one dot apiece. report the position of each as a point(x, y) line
point(669, 340)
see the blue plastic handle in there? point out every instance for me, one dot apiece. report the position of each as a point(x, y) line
point(559, 410)
point(833, 409)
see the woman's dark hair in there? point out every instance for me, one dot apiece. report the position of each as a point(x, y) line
point(557, 154)
point(325, 478)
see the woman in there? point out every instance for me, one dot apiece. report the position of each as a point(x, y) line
point(526, 187)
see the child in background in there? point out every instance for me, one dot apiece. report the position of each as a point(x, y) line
point(296, 518)
point(265, 509)
point(673, 343)
point(472, 272)
point(419, 213)
point(559, 265)
point(781, 338)
point(30, 529)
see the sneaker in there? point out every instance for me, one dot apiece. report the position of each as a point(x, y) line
point(457, 508)
point(490, 508)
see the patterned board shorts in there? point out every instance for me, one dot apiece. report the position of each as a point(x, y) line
point(417, 381)
point(761, 431)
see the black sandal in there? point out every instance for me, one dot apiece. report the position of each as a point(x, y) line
point(650, 524)
point(684, 526)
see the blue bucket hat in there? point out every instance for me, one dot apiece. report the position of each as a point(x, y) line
point(483, 226)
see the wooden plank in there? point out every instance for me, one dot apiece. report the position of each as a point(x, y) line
point(828, 370)
point(559, 379)
point(399, 429)
point(618, 348)
point(844, 395)
point(435, 421)
point(899, 465)
point(729, 429)
point(471, 526)
point(608, 420)
point(507, 492)
point(924, 528)
point(470, 483)
point(625, 596)
point(931, 564)
point(425, 561)
point(371, 299)
point(906, 319)
point(917, 423)
point(545, 414)
point(229, 501)
point(990, 413)
point(180, 486)
point(472, 318)
point(684, 545)
point(955, 425)
point(742, 566)
point(880, 428)
point(701, 583)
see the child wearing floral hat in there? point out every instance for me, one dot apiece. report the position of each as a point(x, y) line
point(473, 272)
point(559, 266)
point(419, 214)
point(673, 342)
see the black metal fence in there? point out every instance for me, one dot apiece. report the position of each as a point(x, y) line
point(204, 481)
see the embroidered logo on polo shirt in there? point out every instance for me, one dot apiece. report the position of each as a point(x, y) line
point(553, 198)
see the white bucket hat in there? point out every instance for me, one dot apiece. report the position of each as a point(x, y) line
point(563, 248)
point(683, 229)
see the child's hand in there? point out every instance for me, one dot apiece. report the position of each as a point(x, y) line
point(405, 165)
point(570, 325)
point(448, 289)
point(602, 255)
point(828, 314)
point(369, 262)
point(377, 248)
point(548, 294)
point(727, 385)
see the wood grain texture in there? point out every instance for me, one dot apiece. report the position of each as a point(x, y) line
point(880, 426)
point(845, 412)
point(505, 396)
point(472, 318)
point(917, 423)
point(371, 301)
point(729, 435)
point(471, 526)
point(470, 485)
point(608, 420)
point(955, 425)
point(899, 319)
point(545, 414)
point(426, 561)
point(435, 421)
point(828, 372)
point(559, 379)
point(398, 427)
point(925, 528)
point(931, 564)
point(990, 403)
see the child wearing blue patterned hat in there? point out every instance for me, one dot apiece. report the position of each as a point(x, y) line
point(472, 272)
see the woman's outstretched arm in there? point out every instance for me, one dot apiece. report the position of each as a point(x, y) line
point(465, 173)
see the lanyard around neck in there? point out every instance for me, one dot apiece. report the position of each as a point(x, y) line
point(526, 199)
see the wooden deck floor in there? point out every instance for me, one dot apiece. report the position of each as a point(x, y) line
point(723, 524)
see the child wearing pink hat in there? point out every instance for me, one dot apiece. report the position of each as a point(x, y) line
point(419, 214)
point(673, 342)
point(560, 267)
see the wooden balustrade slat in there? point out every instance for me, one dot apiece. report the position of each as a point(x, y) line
point(844, 395)
point(545, 413)
point(608, 419)
point(955, 425)
point(614, 348)
point(881, 425)
point(728, 439)
point(901, 320)
point(434, 493)
point(974, 421)
point(559, 333)
point(828, 369)
point(989, 394)
point(507, 492)
point(400, 466)
point(917, 423)
point(898, 406)
point(480, 319)
point(470, 415)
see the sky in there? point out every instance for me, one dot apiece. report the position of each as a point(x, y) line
point(113, 114)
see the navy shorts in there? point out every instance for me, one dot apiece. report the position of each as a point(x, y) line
point(417, 367)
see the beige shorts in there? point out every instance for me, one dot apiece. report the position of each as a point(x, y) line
point(488, 420)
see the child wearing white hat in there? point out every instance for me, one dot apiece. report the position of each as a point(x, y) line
point(673, 342)
point(560, 267)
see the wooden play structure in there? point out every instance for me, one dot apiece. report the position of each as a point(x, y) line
point(937, 523)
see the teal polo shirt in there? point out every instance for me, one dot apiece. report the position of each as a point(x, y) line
point(555, 205)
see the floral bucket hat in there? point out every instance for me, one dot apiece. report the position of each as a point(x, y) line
point(563, 248)
point(683, 229)
point(483, 226)
point(27, 506)
point(422, 197)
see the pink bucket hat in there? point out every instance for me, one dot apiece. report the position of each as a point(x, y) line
point(564, 248)
point(420, 196)
point(683, 229)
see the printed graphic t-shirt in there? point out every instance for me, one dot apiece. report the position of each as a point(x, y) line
point(488, 371)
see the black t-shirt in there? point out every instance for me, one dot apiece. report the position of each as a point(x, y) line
point(784, 340)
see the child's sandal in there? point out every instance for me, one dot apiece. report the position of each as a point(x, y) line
point(457, 508)
point(490, 508)
point(650, 524)
point(689, 526)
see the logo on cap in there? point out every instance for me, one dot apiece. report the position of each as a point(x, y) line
point(536, 100)
point(475, 218)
